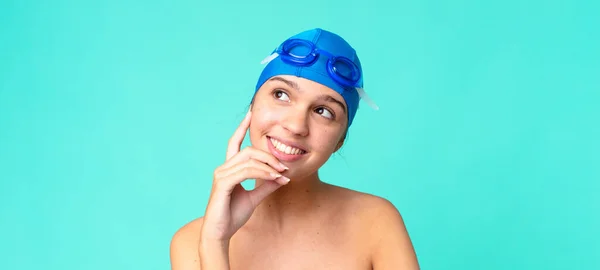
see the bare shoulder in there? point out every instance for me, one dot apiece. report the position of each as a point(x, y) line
point(184, 246)
point(381, 226)
point(365, 205)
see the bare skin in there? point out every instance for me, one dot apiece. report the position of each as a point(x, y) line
point(303, 223)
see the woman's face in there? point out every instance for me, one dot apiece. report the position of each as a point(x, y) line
point(299, 121)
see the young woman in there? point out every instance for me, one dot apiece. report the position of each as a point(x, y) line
point(305, 101)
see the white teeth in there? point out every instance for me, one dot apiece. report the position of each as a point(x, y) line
point(285, 148)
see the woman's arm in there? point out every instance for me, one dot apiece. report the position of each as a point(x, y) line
point(392, 247)
point(213, 254)
point(205, 243)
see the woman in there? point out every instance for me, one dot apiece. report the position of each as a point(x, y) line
point(304, 103)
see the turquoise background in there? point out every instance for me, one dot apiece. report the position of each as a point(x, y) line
point(113, 115)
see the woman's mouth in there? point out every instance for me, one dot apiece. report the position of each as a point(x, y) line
point(283, 151)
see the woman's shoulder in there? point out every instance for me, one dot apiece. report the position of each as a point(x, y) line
point(371, 215)
point(364, 203)
point(184, 245)
point(192, 228)
point(380, 227)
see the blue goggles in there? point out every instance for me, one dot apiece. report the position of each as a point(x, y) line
point(300, 52)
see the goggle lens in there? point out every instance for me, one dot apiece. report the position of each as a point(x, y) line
point(344, 68)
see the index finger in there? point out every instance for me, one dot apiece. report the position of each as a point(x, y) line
point(235, 142)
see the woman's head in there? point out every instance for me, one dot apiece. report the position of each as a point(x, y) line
point(306, 99)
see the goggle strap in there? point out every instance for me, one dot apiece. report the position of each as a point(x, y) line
point(363, 95)
point(269, 58)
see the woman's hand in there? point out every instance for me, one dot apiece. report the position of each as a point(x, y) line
point(230, 205)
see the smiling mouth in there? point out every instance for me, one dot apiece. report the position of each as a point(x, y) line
point(283, 148)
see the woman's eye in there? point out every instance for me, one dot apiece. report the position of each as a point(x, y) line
point(325, 113)
point(281, 95)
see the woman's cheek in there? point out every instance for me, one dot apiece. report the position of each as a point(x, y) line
point(325, 140)
point(263, 119)
point(269, 114)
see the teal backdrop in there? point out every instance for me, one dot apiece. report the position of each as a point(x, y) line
point(114, 114)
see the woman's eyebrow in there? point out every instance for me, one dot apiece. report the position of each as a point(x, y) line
point(288, 82)
point(332, 99)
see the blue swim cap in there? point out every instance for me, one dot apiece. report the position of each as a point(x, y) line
point(323, 57)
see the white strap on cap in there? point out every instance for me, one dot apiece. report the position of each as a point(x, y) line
point(269, 58)
point(363, 95)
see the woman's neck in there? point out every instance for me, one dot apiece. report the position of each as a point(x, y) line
point(289, 204)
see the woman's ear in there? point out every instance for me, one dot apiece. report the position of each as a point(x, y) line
point(339, 145)
point(342, 140)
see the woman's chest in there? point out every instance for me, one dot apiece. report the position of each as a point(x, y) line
point(304, 249)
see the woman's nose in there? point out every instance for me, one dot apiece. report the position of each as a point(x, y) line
point(296, 121)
